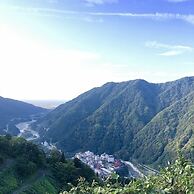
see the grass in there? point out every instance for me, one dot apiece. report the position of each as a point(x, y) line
point(41, 186)
point(8, 182)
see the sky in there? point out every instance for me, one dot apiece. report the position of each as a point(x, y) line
point(58, 49)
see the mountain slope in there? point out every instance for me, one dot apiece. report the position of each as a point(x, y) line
point(25, 168)
point(11, 110)
point(168, 131)
point(128, 119)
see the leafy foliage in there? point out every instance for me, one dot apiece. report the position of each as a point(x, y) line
point(42, 186)
point(8, 182)
point(26, 168)
point(174, 179)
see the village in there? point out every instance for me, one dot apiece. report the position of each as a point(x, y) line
point(103, 165)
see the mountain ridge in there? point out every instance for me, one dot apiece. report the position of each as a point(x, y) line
point(11, 111)
point(109, 118)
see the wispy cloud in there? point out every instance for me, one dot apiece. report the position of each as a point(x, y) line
point(169, 50)
point(177, 1)
point(99, 2)
point(155, 16)
point(189, 18)
point(92, 20)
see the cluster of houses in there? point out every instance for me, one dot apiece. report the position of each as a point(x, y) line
point(103, 165)
point(49, 146)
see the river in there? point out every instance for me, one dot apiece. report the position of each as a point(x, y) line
point(26, 130)
point(29, 134)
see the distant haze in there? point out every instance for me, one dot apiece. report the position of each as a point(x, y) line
point(49, 104)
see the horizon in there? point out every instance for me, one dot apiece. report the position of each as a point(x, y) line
point(55, 50)
point(37, 101)
point(66, 100)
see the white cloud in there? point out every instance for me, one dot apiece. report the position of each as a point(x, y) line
point(169, 50)
point(177, 1)
point(100, 2)
point(189, 18)
point(155, 16)
point(48, 12)
point(92, 19)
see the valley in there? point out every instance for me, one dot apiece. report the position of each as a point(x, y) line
point(13, 112)
point(131, 129)
point(96, 97)
point(29, 134)
point(26, 131)
point(133, 120)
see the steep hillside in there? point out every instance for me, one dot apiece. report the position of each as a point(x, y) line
point(168, 131)
point(133, 119)
point(26, 169)
point(13, 110)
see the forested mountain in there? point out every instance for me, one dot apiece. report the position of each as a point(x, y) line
point(13, 110)
point(134, 119)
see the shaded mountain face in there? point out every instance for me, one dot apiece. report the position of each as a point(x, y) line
point(135, 119)
point(12, 111)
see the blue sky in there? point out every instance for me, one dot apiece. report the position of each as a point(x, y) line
point(57, 49)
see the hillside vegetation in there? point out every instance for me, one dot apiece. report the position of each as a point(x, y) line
point(177, 178)
point(26, 169)
point(135, 120)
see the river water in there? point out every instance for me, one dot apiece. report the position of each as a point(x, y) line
point(29, 134)
point(26, 130)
